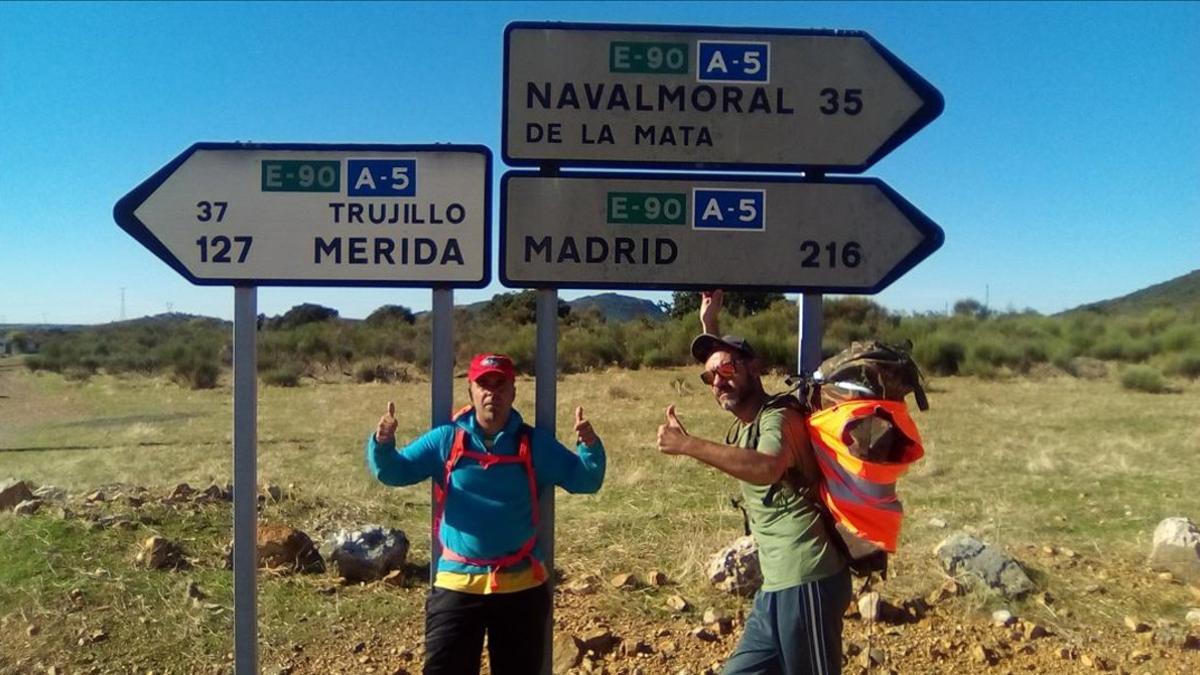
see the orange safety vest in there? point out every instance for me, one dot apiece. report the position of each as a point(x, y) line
point(486, 459)
point(861, 494)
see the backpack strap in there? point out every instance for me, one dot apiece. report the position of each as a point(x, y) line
point(524, 456)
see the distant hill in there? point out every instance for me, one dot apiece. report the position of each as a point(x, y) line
point(1180, 293)
point(617, 307)
point(614, 307)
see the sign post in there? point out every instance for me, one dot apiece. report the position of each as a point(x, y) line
point(247, 215)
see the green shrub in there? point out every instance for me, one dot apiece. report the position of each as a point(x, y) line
point(380, 371)
point(939, 355)
point(1143, 378)
point(1185, 365)
point(283, 376)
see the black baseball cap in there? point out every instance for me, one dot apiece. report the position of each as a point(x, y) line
point(705, 344)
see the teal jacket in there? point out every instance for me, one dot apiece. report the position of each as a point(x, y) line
point(489, 512)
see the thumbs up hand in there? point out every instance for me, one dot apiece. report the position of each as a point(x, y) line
point(583, 429)
point(672, 436)
point(386, 431)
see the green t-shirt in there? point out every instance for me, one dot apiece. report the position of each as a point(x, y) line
point(793, 543)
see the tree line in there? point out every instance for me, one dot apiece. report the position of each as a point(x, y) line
point(393, 343)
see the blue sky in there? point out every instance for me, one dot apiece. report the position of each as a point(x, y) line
point(1065, 168)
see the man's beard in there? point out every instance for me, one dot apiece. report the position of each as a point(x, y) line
point(728, 400)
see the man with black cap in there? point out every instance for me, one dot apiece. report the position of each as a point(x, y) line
point(489, 470)
point(795, 625)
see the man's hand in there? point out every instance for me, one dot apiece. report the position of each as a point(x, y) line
point(583, 429)
point(386, 431)
point(710, 311)
point(672, 437)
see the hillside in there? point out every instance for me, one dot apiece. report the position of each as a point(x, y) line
point(1181, 293)
point(617, 307)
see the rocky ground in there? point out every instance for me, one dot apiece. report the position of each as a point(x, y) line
point(943, 630)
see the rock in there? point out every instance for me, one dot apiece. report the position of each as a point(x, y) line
point(97, 496)
point(1068, 553)
point(215, 493)
point(1133, 624)
point(712, 615)
point(584, 586)
point(272, 492)
point(704, 634)
point(869, 606)
point(1003, 617)
point(981, 654)
point(13, 493)
point(962, 554)
point(658, 578)
point(1139, 656)
point(1031, 630)
point(871, 657)
point(1193, 617)
point(180, 492)
point(158, 553)
point(678, 603)
point(1176, 548)
point(192, 592)
point(1092, 661)
point(567, 653)
point(287, 549)
point(49, 493)
point(368, 553)
point(949, 589)
point(938, 523)
point(735, 569)
point(626, 582)
point(28, 507)
point(1167, 577)
point(599, 640)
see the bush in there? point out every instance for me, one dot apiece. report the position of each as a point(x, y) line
point(391, 314)
point(282, 376)
point(197, 374)
point(939, 355)
point(1185, 365)
point(379, 371)
point(1143, 378)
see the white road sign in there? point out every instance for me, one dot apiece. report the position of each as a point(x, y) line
point(674, 231)
point(616, 95)
point(311, 214)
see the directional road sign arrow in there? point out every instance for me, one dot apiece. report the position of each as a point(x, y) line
point(671, 96)
point(676, 231)
point(318, 215)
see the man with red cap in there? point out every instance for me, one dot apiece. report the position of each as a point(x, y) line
point(489, 471)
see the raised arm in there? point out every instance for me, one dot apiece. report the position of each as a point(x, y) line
point(710, 311)
point(417, 461)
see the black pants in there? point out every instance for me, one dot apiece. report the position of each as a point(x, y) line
point(515, 624)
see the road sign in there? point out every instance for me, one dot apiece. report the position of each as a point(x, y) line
point(674, 231)
point(319, 215)
point(617, 95)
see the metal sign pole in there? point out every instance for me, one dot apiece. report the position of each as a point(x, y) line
point(245, 480)
point(809, 317)
point(546, 372)
point(442, 392)
point(809, 329)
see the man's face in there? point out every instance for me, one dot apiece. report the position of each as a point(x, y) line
point(492, 395)
point(729, 377)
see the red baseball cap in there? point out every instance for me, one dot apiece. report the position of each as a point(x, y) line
point(483, 364)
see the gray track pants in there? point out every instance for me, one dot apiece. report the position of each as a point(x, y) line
point(795, 631)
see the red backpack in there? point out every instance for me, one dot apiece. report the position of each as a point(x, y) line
point(486, 459)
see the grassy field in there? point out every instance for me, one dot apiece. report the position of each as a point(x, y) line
point(1023, 463)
